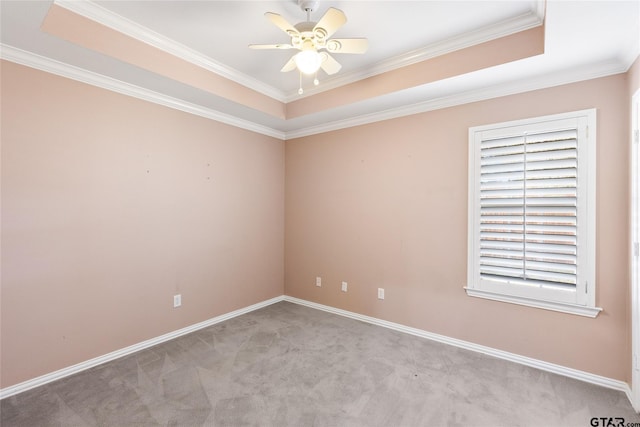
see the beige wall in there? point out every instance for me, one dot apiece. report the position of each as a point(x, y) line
point(634, 77)
point(385, 205)
point(110, 206)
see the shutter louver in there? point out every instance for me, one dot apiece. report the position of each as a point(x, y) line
point(528, 209)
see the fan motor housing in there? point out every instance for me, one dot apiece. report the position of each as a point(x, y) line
point(308, 32)
point(305, 27)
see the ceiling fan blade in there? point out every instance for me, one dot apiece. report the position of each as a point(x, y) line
point(330, 22)
point(359, 45)
point(281, 23)
point(290, 65)
point(328, 64)
point(271, 46)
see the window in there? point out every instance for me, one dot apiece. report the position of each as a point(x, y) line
point(532, 212)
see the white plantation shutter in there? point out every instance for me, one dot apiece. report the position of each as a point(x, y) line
point(532, 212)
point(528, 209)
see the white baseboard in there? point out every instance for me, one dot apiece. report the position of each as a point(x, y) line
point(523, 360)
point(65, 372)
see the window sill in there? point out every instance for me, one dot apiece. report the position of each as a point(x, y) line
point(579, 310)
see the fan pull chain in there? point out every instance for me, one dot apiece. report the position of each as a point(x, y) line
point(316, 82)
point(300, 91)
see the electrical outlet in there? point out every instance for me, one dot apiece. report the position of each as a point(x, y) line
point(380, 293)
point(177, 300)
point(344, 286)
point(318, 281)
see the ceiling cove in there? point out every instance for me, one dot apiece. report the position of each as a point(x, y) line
point(101, 15)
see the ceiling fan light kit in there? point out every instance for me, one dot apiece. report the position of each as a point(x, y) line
point(312, 40)
point(308, 61)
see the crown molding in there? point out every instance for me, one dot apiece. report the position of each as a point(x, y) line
point(99, 14)
point(554, 79)
point(32, 60)
point(504, 28)
point(631, 55)
point(52, 66)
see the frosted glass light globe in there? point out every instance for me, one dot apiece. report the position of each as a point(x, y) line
point(308, 61)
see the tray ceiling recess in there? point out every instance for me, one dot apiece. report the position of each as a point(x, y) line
point(420, 55)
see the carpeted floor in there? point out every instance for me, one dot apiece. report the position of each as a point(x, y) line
point(289, 365)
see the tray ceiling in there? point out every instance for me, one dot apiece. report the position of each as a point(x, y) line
point(582, 39)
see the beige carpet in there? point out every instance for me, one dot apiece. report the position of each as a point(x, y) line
point(289, 365)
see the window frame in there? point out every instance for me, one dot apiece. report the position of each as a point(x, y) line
point(581, 299)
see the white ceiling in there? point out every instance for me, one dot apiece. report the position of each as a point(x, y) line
point(584, 39)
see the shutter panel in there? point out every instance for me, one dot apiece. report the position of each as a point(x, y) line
point(528, 209)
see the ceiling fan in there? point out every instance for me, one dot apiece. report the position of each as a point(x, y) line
point(313, 42)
